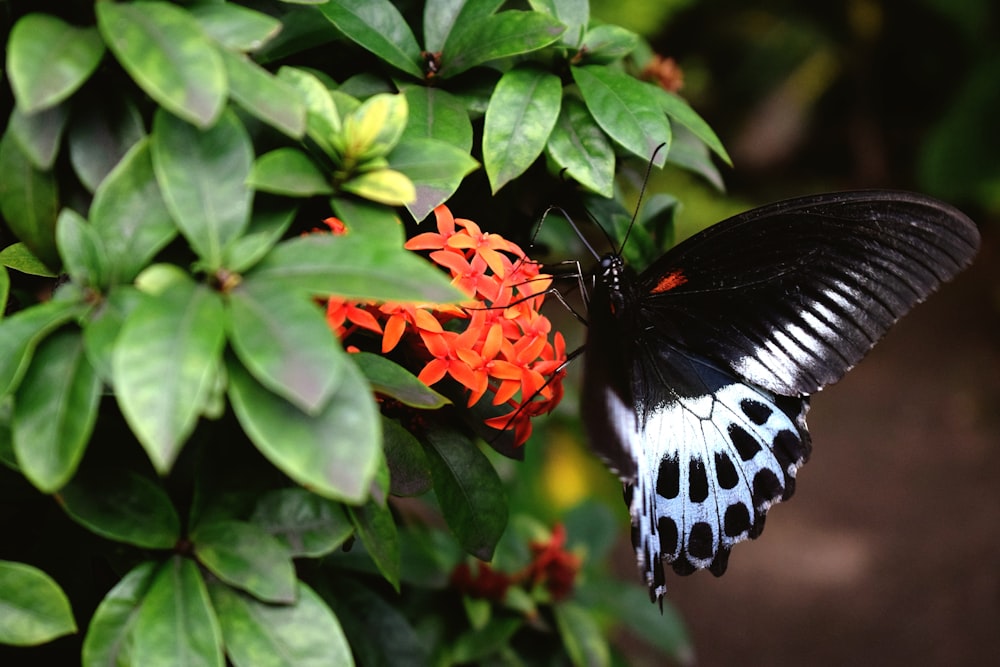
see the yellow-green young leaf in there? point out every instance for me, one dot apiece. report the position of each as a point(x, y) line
point(48, 59)
point(374, 128)
point(35, 609)
point(385, 186)
point(167, 54)
point(323, 121)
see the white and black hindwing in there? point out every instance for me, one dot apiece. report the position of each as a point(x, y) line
point(697, 371)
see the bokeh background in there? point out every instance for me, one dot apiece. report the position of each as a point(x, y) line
point(889, 554)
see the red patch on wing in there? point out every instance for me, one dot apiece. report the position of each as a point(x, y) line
point(675, 278)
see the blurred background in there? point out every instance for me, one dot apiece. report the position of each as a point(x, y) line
point(889, 552)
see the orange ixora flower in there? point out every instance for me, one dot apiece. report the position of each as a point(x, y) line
point(498, 344)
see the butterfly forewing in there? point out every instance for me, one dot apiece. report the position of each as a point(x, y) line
point(698, 371)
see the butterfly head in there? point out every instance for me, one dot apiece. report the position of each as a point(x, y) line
point(610, 274)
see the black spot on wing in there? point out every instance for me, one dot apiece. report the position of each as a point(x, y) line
point(755, 411)
point(697, 481)
point(736, 520)
point(725, 471)
point(667, 528)
point(668, 478)
point(746, 444)
point(700, 540)
point(766, 487)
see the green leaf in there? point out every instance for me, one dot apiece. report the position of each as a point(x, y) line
point(289, 171)
point(81, 249)
point(107, 642)
point(574, 14)
point(304, 634)
point(443, 18)
point(285, 343)
point(628, 604)
point(55, 411)
point(244, 556)
point(262, 94)
point(39, 134)
point(267, 225)
point(390, 379)
point(409, 472)
point(4, 289)
point(18, 257)
point(164, 363)
point(29, 201)
point(102, 132)
point(354, 266)
point(437, 114)
point(626, 109)
point(502, 35)
point(469, 490)
point(578, 145)
point(35, 609)
point(164, 50)
point(523, 109)
point(368, 619)
point(581, 636)
point(48, 60)
point(101, 331)
point(236, 27)
point(176, 624)
point(22, 331)
point(435, 168)
point(130, 216)
point(323, 120)
point(385, 186)
point(333, 453)
point(682, 113)
point(476, 646)
point(307, 524)
point(376, 25)
point(124, 506)
point(608, 43)
point(203, 179)
point(378, 223)
point(375, 527)
point(689, 152)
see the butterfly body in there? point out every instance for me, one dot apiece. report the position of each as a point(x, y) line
point(698, 371)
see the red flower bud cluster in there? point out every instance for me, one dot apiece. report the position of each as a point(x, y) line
point(498, 344)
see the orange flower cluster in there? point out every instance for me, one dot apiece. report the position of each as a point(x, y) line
point(498, 344)
point(551, 566)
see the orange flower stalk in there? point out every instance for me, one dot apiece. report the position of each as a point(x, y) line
point(498, 344)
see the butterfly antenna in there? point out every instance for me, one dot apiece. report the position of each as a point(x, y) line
point(642, 191)
point(571, 224)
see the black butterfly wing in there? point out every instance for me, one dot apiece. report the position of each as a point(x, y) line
point(697, 373)
point(791, 295)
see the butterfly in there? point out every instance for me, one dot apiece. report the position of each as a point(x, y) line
point(698, 371)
